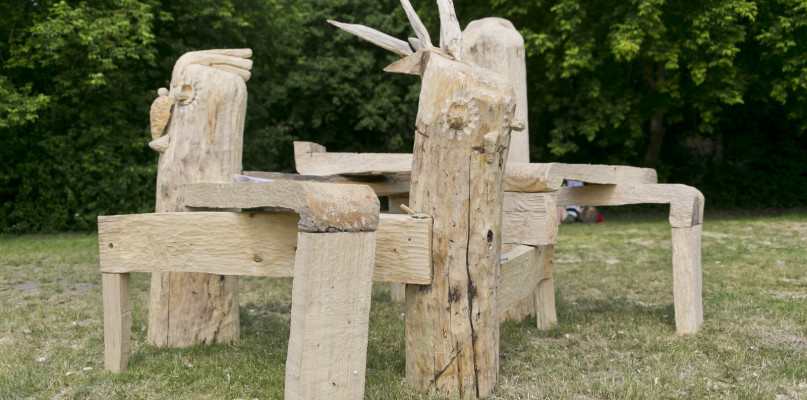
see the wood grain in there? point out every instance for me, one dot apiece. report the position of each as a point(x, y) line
point(330, 314)
point(117, 321)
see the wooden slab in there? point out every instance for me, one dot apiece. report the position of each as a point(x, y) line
point(686, 203)
point(687, 279)
point(258, 244)
point(530, 218)
point(312, 159)
point(383, 185)
point(323, 207)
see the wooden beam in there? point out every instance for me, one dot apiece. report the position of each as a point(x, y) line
point(323, 207)
point(258, 244)
point(687, 280)
point(383, 185)
point(330, 315)
point(522, 268)
point(312, 159)
point(686, 202)
point(117, 321)
point(529, 218)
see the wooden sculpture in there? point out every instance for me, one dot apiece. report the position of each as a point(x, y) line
point(197, 127)
point(465, 116)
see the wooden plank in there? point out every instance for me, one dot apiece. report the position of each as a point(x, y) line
point(257, 244)
point(330, 315)
point(687, 280)
point(686, 203)
point(544, 295)
point(543, 177)
point(205, 139)
point(323, 207)
point(452, 340)
point(313, 160)
point(383, 185)
point(522, 269)
point(398, 290)
point(117, 321)
point(529, 218)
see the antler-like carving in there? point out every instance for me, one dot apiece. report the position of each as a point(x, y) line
point(450, 38)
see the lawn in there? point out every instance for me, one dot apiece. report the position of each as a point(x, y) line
point(615, 337)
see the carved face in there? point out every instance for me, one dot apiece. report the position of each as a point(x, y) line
point(186, 86)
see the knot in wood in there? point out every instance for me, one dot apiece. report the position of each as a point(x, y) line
point(457, 115)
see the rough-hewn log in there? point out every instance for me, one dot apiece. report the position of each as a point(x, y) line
point(686, 203)
point(495, 44)
point(452, 336)
point(257, 244)
point(330, 315)
point(205, 130)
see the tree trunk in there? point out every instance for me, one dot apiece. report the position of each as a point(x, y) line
point(461, 147)
point(657, 132)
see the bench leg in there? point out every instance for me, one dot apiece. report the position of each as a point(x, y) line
point(330, 314)
point(117, 321)
point(687, 283)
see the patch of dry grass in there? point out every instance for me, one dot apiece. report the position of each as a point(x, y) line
point(616, 336)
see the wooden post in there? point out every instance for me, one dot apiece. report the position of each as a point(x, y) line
point(330, 314)
point(687, 281)
point(397, 290)
point(544, 295)
point(117, 321)
point(463, 133)
point(495, 44)
point(204, 142)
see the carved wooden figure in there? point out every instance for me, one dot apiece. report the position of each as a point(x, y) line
point(197, 126)
point(465, 117)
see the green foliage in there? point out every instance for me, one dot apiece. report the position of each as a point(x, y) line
point(77, 79)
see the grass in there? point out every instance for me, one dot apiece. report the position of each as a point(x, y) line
point(616, 336)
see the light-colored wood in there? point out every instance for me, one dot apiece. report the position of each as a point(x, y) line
point(323, 207)
point(530, 218)
point(117, 321)
point(450, 31)
point(206, 129)
point(545, 315)
point(495, 44)
point(330, 313)
point(522, 269)
point(160, 113)
point(543, 177)
point(416, 44)
point(417, 25)
point(311, 162)
point(687, 280)
point(686, 203)
point(375, 37)
point(383, 185)
point(398, 290)
point(255, 244)
point(452, 336)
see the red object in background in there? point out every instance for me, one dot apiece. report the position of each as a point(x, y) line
point(599, 218)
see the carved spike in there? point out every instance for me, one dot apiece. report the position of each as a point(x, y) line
point(160, 113)
point(416, 44)
point(407, 65)
point(160, 144)
point(417, 24)
point(375, 37)
point(450, 31)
